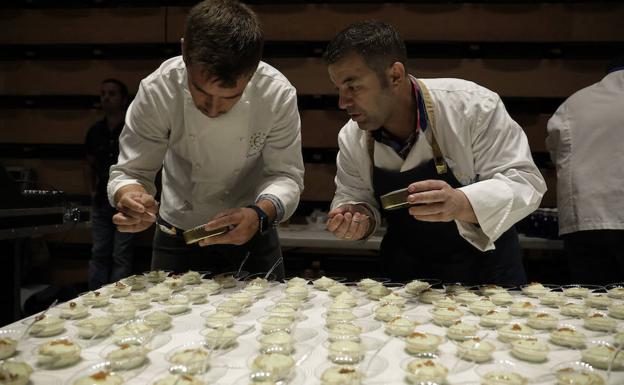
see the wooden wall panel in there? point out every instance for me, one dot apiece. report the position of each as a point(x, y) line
point(455, 22)
point(71, 176)
point(533, 78)
point(550, 198)
point(319, 182)
point(319, 128)
point(70, 77)
point(46, 126)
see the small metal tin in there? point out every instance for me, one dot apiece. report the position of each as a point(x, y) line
point(395, 200)
point(198, 233)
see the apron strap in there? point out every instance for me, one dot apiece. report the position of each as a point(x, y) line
point(440, 164)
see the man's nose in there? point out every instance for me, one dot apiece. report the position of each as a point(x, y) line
point(344, 101)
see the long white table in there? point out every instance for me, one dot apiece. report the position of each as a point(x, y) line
point(232, 367)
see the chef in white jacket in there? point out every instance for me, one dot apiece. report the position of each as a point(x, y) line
point(585, 139)
point(225, 129)
point(467, 164)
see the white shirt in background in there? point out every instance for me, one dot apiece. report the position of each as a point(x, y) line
point(586, 142)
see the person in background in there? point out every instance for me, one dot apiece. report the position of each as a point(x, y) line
point(225, 129)
point(112, 251)
point(585, 137)
point(467, 164)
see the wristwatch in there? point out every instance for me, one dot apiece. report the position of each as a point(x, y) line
point(263, 219)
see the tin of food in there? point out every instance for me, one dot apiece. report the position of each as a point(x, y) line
point(395, 200)
point(198, 233)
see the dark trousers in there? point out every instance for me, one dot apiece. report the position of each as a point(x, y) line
point(595, 256)
point(170, 252)
point(112, 251)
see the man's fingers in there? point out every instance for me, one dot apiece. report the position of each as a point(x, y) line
point(339, 210)
point(335, 222)
point(430, 209)
point(121, 219)
point(226, 220)
point(427, 185)
point(426, 197)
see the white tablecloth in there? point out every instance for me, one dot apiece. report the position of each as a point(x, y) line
point(187, 327)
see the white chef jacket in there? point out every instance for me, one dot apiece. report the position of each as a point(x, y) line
point(211, 164)
point(585, 140)
point(486, 150)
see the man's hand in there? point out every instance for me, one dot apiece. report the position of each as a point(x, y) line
point(137, 210)
point(243, 221)
point(436, 201)
point(349, 221)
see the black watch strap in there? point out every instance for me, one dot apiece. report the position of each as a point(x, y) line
point(263, 219)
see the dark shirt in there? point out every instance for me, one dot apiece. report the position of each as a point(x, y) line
point(103, 145)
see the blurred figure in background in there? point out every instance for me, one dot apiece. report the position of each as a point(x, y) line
point(585, 138)
point(112, 252)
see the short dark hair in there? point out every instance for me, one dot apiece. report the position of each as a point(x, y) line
point(123, 89)
point(378, 43)
point(225, 38)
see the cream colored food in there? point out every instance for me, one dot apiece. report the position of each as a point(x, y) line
point(175, 283)
point(344, 331)
point(529, 349)
point(573, 310)
point(568, 337)
point(422, 370)
point(298, 292)
point(127, 357)
point(8, 346)
point(136, 282)
point(600, 322)
point(366, 283)
point(158, 320)
point(283, 311)
point(258, 281)
point(569, 376)
point(194, 360)
point(521, 308)
point(347, 299)
point(122, 311)
point(73, 310)
point(378, 291)
point(135, 328)
point(446, 316)
point(197, 295)
point(159, 292)
point(616, 310)
point(600, 356)
point(387, 312)
point(156, 276)
point(95, 327)
point(14, 373)
point(211, 286)
point(535, 290)
point(598, 301)
point(416, 287)
point(226, 281)
point(542, 321)
point(418, 342)
point(466, 297)
point(481, 306)
point(460, 331)
point(393, 299)
point(502, 298)
point(191, 277)
point(475, 350)
point(118, 290)
point(616, 292)
point(342, 375)
point(102, 377)
point(273, 324)
point(494, 318)
point(279, 365)
point(576, 292)
point(501, 377)
point(343, 352)
point(296, 281)
point(140, 300)
point(513, 332)
point(47, 325)
point(400, 326)
point(430, 295)
point(335, 317)
point(279, 341)
point(179, 379)
point(445, 302)
point(552, 299)
point(58, 353)
point(323, 283)
point(177, 304)
point(220, 319)
point(229, 306)
point(220, 338)
point(336, 289)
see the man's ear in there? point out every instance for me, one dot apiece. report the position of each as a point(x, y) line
point(396, 73)
point(183, 48)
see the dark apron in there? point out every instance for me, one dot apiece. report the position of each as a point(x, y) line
point(412, 248)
